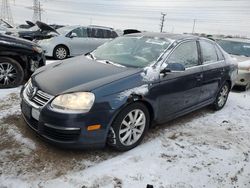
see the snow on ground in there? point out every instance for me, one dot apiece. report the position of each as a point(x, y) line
point(202, 149)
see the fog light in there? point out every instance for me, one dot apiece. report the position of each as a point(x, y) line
point(93, 127)
point(242, 80)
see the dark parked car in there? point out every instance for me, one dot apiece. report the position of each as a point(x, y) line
point(115, 93)
point(38, 32)
point(18, 60)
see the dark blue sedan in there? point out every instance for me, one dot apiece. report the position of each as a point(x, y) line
point(113, 94)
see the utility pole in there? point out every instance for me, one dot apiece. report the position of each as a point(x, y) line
point(37, 14)
point(162, 21)
point(6, 14)
point(194, 26)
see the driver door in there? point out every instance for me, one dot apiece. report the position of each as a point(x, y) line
point(78, 41)
point(181, 90)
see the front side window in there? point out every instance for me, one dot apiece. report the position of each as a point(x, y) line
point(185, 54)
point(132, 51)
point(209, 54)
point(80, 32)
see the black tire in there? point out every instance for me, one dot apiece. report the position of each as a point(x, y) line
point(115, 139)
point(60, 52)
point(15, 76)
point(221, 97)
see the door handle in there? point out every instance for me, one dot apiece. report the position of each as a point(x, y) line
point(222, 71)
point(199, 77)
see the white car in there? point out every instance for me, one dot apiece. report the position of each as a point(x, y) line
point(240, 50)
point(76, 40)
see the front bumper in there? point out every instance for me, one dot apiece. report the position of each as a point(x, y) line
point(47, 47)
point(67, 130)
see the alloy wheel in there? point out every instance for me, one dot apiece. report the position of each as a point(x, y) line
point(8, 73)
point(223, 96)
point(61, 53)
point(132, 127)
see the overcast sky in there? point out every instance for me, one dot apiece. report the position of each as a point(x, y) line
point(212, 16)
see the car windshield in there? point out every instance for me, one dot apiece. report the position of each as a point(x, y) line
point(235, 48)
point(65, 30)
point(132, 51)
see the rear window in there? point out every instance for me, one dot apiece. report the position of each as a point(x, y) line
point(209, 54)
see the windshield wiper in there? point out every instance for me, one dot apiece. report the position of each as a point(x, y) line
point(91, 55)
point(111, 63)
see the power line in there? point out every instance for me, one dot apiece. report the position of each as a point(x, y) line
point(6, 12)
point(37, 14)
point(193, 25)
point(162, 21)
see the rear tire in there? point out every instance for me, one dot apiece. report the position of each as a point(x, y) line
point(129, 127)
point(60, 52)
point(11, 73)
point(221, 97)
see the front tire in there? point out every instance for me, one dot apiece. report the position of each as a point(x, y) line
point(129, 127)
point(222, 96)
point(11, 73)
point(60, 52)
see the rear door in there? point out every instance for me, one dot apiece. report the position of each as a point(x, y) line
point(213, 69)
point(181, 90)
point(98, 37)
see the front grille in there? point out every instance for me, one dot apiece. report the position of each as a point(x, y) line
point(36, 96)
point(61, 135)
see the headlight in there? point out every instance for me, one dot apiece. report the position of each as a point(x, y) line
point(74, 102)
point(27, 83)
point(37, 49)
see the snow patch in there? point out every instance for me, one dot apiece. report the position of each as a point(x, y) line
point(17, 136)
point(150, 74)
point(5, 92)
point(141, 90)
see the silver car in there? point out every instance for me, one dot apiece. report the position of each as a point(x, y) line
point(240, 50)
point(76, 40)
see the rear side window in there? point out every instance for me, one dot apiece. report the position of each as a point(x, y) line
point(186, 54)
point(106, 33)
point(219, 53)
point(95, 33)
point(209, 53)
point(114, 34)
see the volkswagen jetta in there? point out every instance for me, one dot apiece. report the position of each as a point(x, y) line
point(115, 93)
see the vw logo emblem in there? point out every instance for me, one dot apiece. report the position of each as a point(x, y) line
point(33, 91)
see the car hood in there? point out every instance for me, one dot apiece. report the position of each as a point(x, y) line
point(45, 27)
point(14, 41)
point(78, 74)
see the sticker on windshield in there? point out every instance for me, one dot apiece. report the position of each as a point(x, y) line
point(153, 41)
point(245, 46)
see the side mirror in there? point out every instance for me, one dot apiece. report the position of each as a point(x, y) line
point(172, 67)
point(73, 35)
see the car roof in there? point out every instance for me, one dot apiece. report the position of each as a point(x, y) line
point(100, 27)
point(91, 26)
point(164, 35)
point(236, 39)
